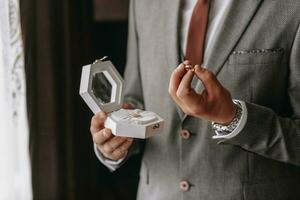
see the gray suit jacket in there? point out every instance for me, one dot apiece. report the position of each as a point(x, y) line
point(256, 56)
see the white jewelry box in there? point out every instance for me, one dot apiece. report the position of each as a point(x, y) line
point(101, 88)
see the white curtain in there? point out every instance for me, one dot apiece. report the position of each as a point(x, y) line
point(15, 176)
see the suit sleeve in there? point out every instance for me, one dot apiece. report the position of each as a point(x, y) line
point(268, 134)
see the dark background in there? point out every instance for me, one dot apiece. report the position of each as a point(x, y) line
point(60, 36)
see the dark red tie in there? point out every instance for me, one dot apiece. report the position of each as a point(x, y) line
point(197, 32)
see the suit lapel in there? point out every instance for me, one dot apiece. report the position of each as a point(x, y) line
point(170, 35)
point(237, 19)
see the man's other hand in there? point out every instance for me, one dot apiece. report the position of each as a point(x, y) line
point(214, 103)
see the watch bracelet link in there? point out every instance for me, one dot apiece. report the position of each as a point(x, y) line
point(226, 129)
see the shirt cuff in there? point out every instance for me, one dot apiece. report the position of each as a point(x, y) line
point(240, 125)
point(110, 164)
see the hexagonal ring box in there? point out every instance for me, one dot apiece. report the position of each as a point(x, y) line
point(101, 88)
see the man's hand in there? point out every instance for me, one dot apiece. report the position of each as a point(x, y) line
point(112, 147)
point(213, 104)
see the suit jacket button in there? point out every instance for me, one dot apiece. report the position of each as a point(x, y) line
point(185, 134)
point(184, 186)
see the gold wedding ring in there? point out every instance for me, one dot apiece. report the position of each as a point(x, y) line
point(189, 67)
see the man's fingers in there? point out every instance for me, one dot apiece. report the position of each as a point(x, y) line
point(97, 122)
point(185, 84)
point(209, 80)
point(102, 136)
point(175, 80)
point(122, 149)
point(112, 144)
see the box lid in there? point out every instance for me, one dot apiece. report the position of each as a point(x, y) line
point(102, 86)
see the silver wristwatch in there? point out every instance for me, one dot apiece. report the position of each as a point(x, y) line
point(226, 129)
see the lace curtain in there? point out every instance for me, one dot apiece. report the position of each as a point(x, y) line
point(15, 177)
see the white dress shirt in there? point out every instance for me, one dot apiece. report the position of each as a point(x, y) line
point(216, 18)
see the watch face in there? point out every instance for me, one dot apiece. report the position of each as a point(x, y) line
point(101, 88)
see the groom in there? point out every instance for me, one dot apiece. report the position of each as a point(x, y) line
point(232, 115)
